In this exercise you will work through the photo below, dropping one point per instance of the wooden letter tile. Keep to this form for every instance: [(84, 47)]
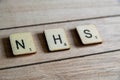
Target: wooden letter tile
[(56, 39), (22, 43), (88, 34)]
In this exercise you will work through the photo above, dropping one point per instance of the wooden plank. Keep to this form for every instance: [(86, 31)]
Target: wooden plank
[(97, 67), (108, 28), (14, 13)]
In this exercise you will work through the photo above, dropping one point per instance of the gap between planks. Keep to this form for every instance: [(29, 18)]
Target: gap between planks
[(67, 21), (18, 66)]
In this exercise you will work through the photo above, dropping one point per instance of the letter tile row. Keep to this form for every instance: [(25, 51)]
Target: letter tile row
[(23, 43)]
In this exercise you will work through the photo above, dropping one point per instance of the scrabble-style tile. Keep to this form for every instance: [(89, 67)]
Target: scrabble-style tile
[(89, 34), (56, 39), (22, 43)]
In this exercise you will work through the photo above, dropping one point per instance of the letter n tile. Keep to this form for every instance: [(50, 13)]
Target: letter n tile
[(22, 43)]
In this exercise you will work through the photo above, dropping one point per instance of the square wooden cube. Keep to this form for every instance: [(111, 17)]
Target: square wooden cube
[(89, 34), (56, 39), (22, 43)]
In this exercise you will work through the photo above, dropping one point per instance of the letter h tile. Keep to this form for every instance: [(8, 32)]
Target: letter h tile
[(56, 39)]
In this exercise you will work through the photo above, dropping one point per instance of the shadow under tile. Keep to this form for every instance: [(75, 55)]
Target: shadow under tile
[(77, 41), (43, 42), (7, 48)]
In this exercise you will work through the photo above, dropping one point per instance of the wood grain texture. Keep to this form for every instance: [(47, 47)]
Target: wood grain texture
[(14, 13), (92, 62), (97, 67), (108, 28)]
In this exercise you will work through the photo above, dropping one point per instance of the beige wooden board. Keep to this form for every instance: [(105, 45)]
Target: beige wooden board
[(97, 67), (14, 13), (108, 28)]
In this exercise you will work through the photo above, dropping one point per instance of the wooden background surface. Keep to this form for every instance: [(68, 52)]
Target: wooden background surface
[(93, 62)]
